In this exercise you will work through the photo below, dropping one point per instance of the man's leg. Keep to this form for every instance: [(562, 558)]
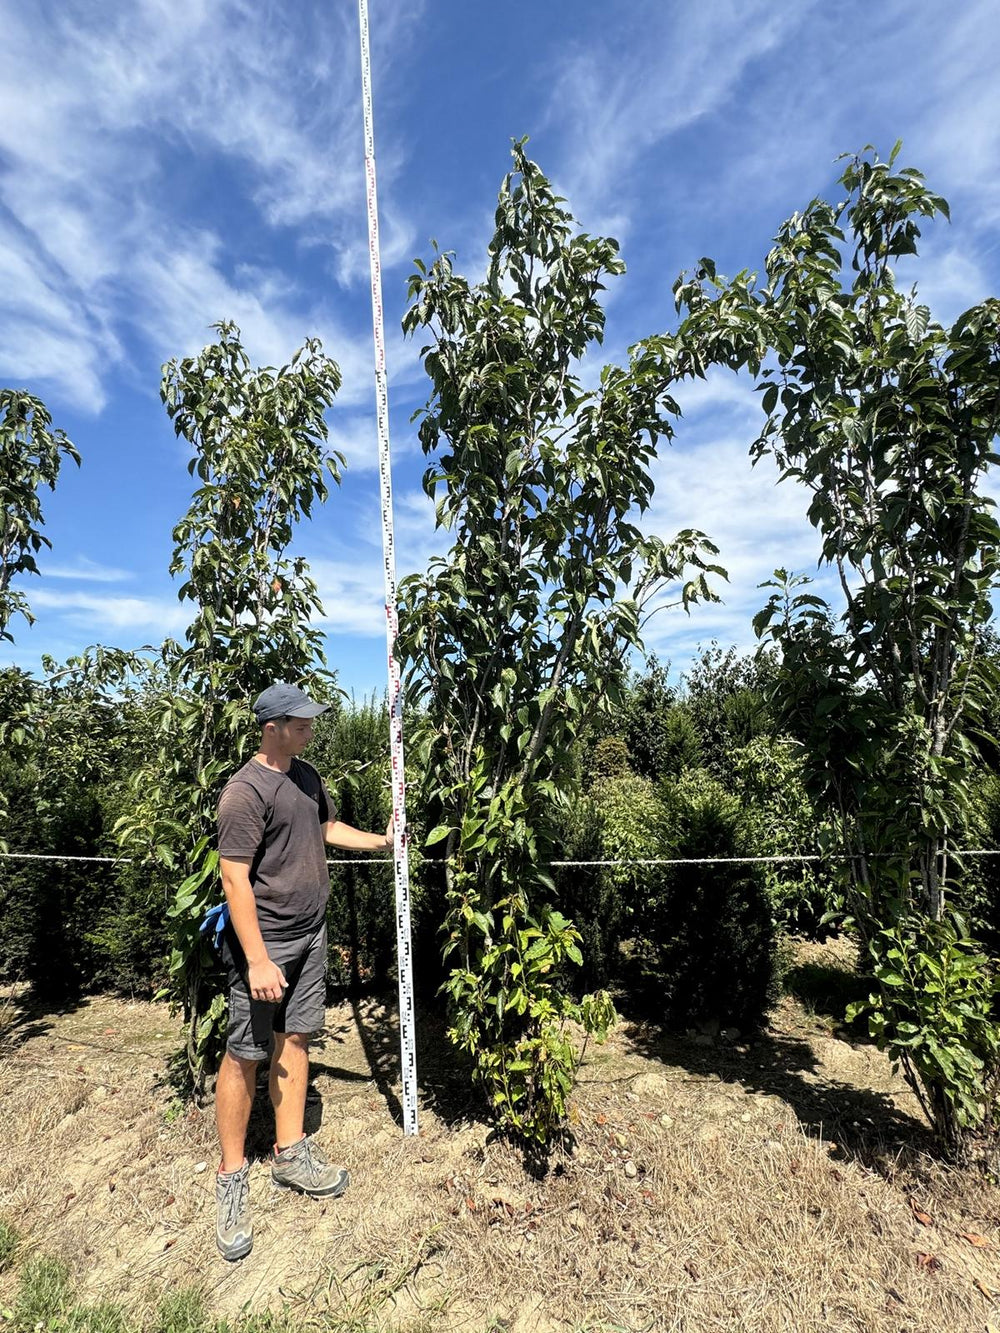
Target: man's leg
[(234, 1090), (289, 1082), (298, 1163)]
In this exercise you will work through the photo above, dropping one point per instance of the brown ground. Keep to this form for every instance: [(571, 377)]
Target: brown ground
[(778, 1185)]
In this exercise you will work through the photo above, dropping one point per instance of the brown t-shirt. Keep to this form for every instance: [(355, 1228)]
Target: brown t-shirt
[(277, 819)]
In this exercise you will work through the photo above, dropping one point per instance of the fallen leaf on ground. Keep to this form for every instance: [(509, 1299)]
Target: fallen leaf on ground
[(923, 1218), (928, 1261), (979, 1241), (691, 1268), (988, 1292)]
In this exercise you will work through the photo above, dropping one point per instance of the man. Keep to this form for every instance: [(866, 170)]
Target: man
[(275, 815)]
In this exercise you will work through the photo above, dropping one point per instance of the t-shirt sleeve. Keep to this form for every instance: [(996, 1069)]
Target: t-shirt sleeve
[(240, 820), (327, 803)]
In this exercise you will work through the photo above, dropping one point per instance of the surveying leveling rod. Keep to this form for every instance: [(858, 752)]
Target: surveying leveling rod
[(403, 946)]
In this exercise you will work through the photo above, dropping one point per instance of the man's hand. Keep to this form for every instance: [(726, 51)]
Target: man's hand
[(339, 834), (266, 981)]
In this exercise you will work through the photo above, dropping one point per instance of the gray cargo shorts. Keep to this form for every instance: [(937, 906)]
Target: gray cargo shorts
[(301, 1008)]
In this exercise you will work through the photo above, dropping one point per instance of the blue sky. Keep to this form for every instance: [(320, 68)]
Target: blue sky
[(168, 163)]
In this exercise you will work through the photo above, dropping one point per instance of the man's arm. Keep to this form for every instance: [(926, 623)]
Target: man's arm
[(350, 839), (265, 979)]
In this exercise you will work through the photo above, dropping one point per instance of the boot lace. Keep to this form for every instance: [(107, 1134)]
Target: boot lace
[(312, 1159), (236, 1191)]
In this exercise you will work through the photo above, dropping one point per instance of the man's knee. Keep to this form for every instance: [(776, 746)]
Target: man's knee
[(300, 1040), (244, 1064)]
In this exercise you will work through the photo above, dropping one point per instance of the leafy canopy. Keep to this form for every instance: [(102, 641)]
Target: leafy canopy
[(31, 454)]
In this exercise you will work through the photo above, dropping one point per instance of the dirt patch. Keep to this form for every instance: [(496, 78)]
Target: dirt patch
[(713, 1185)]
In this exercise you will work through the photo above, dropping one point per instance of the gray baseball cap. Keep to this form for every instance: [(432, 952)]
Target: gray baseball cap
[(282, 700)]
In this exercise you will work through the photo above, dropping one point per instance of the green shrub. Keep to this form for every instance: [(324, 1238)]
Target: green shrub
[(46, 905), (780, 820), (654, 731), (980, 899), (351, 751), (620, 819), (727, 695), (678, 747), (77, 925), (609, 759), (934, 1014), (709, 928), (128, 939)]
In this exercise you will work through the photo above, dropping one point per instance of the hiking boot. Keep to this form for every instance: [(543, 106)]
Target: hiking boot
[(233, 1228), (303, 1167)]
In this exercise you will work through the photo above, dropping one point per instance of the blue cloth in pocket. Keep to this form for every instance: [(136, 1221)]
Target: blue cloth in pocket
[(216, 920)]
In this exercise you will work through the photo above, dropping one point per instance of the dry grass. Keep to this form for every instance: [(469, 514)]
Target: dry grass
[(711, 1187), (9, 1013)]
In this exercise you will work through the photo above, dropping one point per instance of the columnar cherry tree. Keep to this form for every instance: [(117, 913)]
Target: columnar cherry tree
[(524, 630), (261, 463), (889, 420)]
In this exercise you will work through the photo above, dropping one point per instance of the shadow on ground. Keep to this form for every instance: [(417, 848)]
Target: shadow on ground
[(22, 1017), (444, 1074), (865, 1123), (828, 989)]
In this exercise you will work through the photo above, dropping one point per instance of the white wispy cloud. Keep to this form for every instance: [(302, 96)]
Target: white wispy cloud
[(160, 615), (960, 101), (352, 594), (614, 100), (352, 590), (757, 524), (949, 279), (94, 158), (355, 435), (46, 330), (182, 290), (86, 570)]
